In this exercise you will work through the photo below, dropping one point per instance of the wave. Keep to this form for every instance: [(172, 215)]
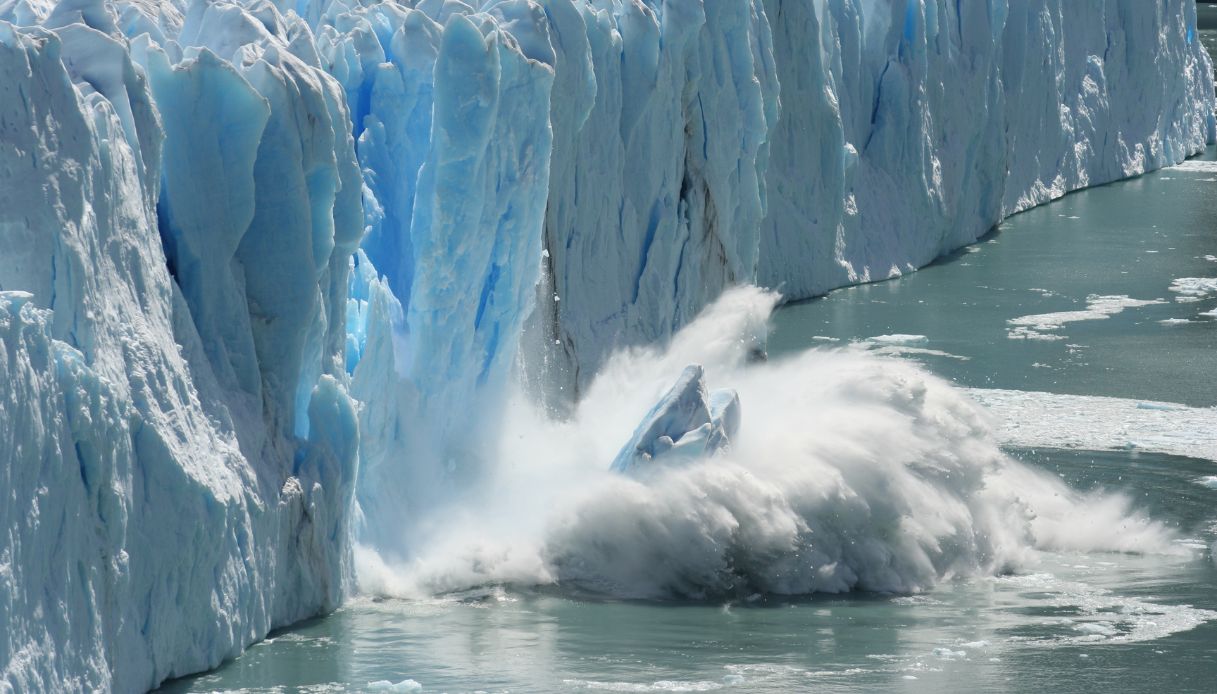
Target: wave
[(851, 471)]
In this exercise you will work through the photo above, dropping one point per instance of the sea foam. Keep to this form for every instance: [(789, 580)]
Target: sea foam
[(851, 471)]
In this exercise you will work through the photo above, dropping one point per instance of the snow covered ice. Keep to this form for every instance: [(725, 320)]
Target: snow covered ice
[(270, 272)]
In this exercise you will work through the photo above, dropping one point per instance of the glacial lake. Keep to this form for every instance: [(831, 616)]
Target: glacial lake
[(1101, 264)]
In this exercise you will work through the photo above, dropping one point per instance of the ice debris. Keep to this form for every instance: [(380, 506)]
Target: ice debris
[(686, 424)]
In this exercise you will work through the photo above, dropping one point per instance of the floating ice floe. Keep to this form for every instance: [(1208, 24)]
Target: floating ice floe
[(1098, 615), (1043, 326), (1033, 419), (1192, 289), (899, 339), (394, 687)]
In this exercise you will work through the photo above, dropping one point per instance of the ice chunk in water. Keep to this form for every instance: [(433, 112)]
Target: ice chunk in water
[(686, 423)]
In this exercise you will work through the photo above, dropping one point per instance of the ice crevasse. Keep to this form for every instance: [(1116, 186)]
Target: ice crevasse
[(268, 269)]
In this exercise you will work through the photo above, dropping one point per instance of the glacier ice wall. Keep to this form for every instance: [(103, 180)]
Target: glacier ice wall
[(450, 110), (660, 155), (267, 267), (178, 447), (906, 129), (910, 129)]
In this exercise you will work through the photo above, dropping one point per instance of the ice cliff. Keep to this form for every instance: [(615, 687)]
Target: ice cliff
[(268, 269), (179, 448), (906, 129)]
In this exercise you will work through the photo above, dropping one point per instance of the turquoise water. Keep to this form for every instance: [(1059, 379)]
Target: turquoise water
[(1127, 239), (1019, 633), (1084, 622)]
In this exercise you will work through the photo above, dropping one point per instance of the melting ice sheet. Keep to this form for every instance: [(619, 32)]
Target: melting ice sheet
[(849, 472)]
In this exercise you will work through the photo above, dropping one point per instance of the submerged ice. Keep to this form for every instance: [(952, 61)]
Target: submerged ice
[(273, 274)]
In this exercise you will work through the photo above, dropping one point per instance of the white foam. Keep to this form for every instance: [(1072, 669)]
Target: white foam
[(1042, 326), (1196, 166), (1100, 615), (850, 471), (912, 352), (898, 345), (1036, 420)]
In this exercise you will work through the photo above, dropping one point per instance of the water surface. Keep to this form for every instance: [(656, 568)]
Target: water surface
[(1130, 239), (1078, 623)]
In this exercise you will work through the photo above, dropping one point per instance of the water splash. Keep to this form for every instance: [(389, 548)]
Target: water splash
[(851, 471)]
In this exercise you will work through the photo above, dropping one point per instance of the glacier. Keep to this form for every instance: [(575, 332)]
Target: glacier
[(270, 271)]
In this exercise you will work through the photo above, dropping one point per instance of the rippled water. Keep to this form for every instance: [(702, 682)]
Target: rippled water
[(1078, 623), (1101, 264), (1128, 241)]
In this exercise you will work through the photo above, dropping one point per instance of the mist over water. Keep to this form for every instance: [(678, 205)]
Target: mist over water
[(851, 471)]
